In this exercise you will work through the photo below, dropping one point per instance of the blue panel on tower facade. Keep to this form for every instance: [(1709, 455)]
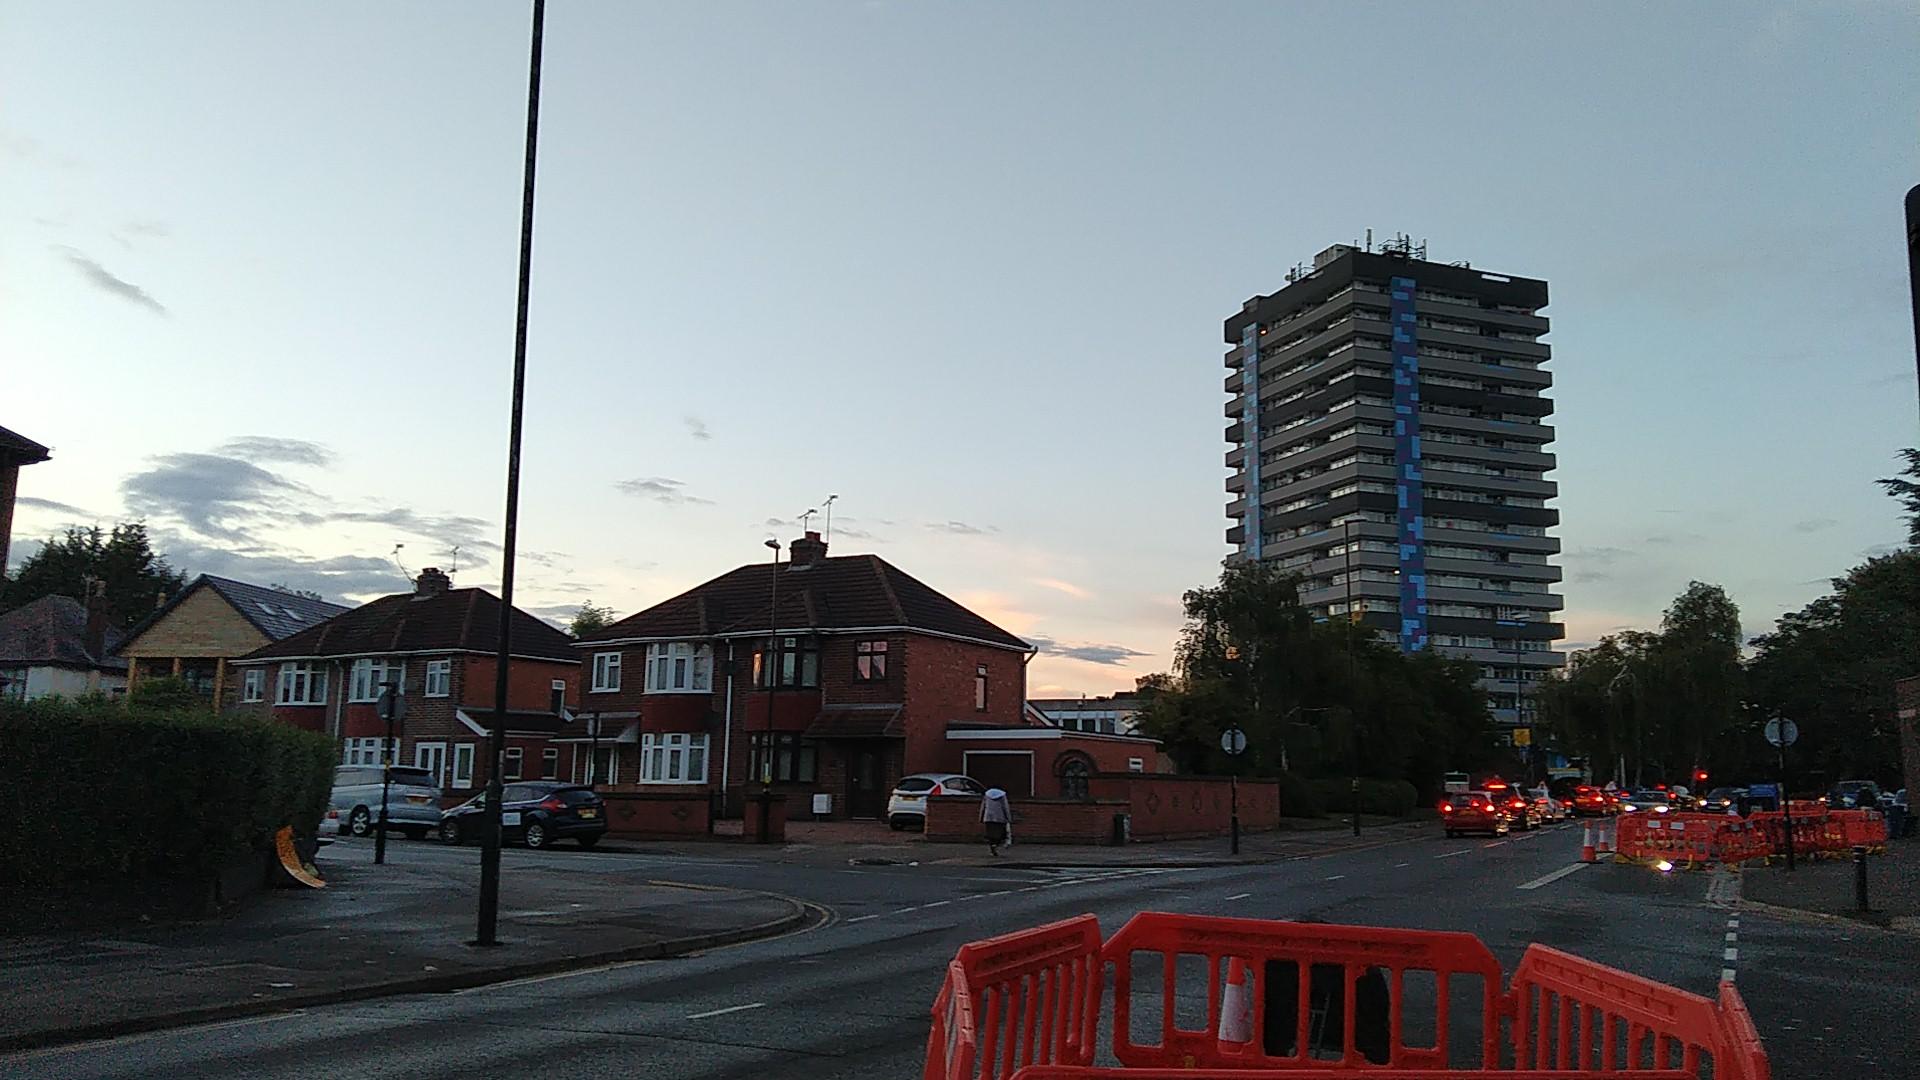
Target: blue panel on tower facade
[(1406, 464), (1250, 423)]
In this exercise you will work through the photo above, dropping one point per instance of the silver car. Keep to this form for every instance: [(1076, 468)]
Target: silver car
[(413, 801)]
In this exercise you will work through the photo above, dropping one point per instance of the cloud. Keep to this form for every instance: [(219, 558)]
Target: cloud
[(777, 523), (32, 503), (271, 448), (469, 534), (660, 490), (961, 528), (101, 277), (1111, 655), (1813, 525), (155, 229), (845, 529), (1675, 538), (215, 496), (696, 427), (1067, 587), (1602, 556), (333, 577)]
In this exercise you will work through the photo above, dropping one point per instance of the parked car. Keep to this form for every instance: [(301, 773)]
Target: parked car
[(1551, 809), (535, 814), (1854, 795), (413, 801), (907, 806), (1474, 811)]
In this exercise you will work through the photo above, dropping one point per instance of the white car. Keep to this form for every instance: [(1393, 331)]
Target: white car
[(908, 804)]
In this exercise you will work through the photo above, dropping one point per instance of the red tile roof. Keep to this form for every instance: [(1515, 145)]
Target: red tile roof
[(840, 593)]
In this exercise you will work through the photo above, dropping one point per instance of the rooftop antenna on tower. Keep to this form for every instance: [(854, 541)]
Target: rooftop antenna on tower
[(806, 519), (829, 505), (453, 561), (395, 556)]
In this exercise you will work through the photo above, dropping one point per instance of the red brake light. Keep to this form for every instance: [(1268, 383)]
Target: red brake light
[(553, 804), (1446, 808)]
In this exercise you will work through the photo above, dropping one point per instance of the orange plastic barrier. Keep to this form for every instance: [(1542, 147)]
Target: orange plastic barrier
[(1204, 998)]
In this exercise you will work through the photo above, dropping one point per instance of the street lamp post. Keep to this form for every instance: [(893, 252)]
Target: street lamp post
[(497, 744), (1353, 681), (770, 671)]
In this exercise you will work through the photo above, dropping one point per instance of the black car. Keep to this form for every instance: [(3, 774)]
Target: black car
[(535, 814)]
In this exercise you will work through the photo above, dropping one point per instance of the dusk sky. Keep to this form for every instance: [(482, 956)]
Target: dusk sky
[(964, 264)]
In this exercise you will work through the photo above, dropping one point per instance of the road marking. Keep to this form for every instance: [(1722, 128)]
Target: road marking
[(1451, 854), (904, 910), (1336, 877), (1548, 879), (729, 1009), (1399, 866), (1496, 843), (937, 903), (1240, 896), (1732, 937), (1002, 892), (1730, 955), (864, 918), (1726, 974)]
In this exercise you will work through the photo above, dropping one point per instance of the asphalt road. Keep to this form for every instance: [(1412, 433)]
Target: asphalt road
[(850, 998)]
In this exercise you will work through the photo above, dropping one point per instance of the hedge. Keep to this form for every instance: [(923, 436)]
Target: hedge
[(1389, 798), (95, 796), (1298, 799)]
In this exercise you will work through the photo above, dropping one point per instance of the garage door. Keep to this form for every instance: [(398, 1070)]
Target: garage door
[(1010, 770)]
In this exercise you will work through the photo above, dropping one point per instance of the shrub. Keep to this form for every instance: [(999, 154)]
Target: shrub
[(1388, 798), (96, 796), (1298, 798)]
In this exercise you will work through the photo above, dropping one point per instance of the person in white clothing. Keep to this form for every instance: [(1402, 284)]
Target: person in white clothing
[(996, 813)]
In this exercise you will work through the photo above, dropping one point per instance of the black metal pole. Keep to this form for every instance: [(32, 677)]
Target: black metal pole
[(497, 744), (1353, 682), (593, 754), (386, 780), (1786, 804), (1860, 879), (1913, 263), (1233, 786)]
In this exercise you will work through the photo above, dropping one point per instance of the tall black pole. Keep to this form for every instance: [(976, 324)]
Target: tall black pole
[(1353, 682), (771, 671), (1913, 264), (497, 745), (386, 782)]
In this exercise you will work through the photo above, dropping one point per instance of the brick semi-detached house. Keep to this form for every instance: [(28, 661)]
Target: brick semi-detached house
[(439, 643), (848, 670)]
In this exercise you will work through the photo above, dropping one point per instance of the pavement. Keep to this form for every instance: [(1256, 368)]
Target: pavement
[(847, 998), (374, 931), (1826, 887)]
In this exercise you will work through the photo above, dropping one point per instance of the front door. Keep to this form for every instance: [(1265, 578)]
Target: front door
[(433, 758), (864, 797)]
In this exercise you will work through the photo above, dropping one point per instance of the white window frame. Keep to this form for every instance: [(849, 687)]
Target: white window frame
[(667, 758), (440, 673), (423, 750), (518, 770), (253, 685), (368, 674), (606, 673), (550, 763), (310, 679), (462, 777), (366, 751), (679, 667)]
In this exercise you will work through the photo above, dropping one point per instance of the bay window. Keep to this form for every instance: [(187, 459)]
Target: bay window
[(679, 667), (673, 758), (302, 684)]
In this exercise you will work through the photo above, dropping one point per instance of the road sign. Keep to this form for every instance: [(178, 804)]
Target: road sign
[(1782, 732), (1522, 736), (390, 705), (1233, 741)]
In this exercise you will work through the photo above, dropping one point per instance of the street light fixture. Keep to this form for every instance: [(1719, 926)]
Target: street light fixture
[(497, 745)]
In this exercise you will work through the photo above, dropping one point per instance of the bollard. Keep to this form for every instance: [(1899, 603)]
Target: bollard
[(1860, 878)]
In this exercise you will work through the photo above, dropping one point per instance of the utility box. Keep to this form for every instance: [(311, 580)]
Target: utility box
[(822, 807)]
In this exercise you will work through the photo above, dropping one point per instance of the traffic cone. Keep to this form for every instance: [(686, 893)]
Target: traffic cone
[(1236, 1007), (1586, 846)]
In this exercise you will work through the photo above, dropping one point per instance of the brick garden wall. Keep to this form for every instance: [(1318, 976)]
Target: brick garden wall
[(955, 819), (642, 812)]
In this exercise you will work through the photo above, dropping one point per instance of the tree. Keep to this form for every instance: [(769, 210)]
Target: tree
[(1906, 489), (137, 579), (1698, 673), (590, 618)]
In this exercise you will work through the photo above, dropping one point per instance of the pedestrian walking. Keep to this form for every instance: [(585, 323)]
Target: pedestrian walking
[(997, 815)]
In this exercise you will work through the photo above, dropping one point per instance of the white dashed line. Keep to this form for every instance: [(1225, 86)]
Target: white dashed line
[(1730, 955), (863, 918), (1732, 952), (1451, 854), (1400, 866), (1240, 896), (1336, 877), (937, 903), (1548, 879), (728, 1009), (1496, 843)]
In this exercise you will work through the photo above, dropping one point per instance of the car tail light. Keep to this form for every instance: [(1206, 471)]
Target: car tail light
[(333, 814), (1446, 808), (553, 804)]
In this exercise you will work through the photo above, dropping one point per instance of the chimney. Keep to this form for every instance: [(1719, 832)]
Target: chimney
[(807, 550), (96, 633), (431, 582)]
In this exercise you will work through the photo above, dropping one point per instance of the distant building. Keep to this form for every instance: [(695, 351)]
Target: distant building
[(1112, 715), (439, 645), (198, 634), (15, 450), (1386, 422), (834, 676), (57, 646)]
